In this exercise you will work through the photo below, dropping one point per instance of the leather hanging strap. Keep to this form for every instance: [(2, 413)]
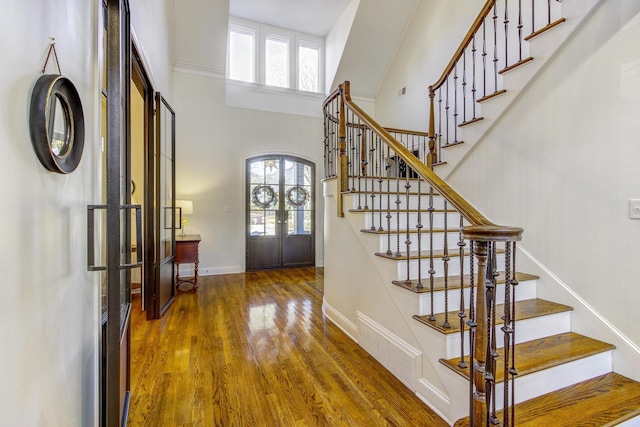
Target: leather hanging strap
[(52, 47)]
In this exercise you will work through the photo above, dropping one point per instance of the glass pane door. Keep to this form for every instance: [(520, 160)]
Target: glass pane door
[(280, 212)]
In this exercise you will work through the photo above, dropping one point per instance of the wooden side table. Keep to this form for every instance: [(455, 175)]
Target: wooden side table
[(187, 253)]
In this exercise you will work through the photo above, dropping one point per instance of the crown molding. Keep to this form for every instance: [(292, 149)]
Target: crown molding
[(184, 67)]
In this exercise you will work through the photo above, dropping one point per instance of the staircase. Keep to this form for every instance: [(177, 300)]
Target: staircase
[(429, 286), (504, 55), (564, 378)]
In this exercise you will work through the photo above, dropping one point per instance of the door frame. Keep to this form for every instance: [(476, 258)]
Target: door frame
[(246, 204), (143, 83), (116, 338)]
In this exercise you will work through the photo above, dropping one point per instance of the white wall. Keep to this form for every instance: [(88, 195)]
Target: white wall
[(49, 312), (561, 163), (434, 33), (153, 30), (213, 141), (567, 152), (50, 306)]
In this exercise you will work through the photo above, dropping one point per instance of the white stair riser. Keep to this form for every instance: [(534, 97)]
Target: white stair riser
[(525, 290), (438, 266), (387, 185), (425, 242), (373, 219), (389, 200), (526, 330), (538, 383)]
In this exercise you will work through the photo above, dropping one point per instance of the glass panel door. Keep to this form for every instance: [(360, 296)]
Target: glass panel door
[(165, 205), (280, 212)]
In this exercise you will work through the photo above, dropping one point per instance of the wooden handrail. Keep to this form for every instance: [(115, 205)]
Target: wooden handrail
[(465, 42), (407, 132), (469, 212)]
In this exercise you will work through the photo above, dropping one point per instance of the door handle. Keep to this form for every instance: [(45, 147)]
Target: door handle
[(91, 262), (91, 253), (138, 209)]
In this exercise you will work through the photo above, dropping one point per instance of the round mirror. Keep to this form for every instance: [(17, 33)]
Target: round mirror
[(56, 123), (59, 126)]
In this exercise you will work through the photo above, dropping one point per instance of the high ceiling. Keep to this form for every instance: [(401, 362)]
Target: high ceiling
[(314, 17), (360, 51)]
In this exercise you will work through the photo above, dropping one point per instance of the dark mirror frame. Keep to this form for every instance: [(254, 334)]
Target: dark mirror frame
[(48, 89)]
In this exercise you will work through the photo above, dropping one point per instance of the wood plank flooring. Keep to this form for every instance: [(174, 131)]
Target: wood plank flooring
[(254, 349)]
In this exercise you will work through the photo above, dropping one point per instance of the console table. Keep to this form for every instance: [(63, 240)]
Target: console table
[(187, 253)]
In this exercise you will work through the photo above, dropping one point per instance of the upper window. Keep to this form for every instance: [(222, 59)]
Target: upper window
[(242, 54), (274, 57)]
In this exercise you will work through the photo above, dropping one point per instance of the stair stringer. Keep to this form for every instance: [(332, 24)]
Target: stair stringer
[(543, 49), (438, 397), (585, 319), (358, 285)]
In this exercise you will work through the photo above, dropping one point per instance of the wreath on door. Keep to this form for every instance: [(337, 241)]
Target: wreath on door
[(297, 195), (263, 196)]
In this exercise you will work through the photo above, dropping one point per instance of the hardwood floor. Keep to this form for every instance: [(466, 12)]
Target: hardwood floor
[(254, 349)]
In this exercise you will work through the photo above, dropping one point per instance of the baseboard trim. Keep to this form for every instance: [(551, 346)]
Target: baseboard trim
[(339, 320), (430, 395), (402, 359), (214, 271)]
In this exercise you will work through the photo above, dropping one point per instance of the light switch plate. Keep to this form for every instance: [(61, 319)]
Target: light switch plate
[(634, 208)]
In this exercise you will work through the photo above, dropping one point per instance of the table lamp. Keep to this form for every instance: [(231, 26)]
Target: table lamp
[(186, 207)]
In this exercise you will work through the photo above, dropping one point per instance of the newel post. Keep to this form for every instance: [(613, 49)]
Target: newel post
[(479, 410), (343, 172), (432, 157), (484, 239)]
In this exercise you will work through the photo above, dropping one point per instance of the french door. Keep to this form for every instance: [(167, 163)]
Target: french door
[(162, 221), (280, 212)]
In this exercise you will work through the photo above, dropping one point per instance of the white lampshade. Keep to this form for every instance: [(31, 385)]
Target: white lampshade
[(186, 205)]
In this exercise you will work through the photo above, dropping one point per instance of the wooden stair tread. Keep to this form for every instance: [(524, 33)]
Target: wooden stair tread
[(543, 353), (424, 254), (453, 282), (527, 309), (605, 400)]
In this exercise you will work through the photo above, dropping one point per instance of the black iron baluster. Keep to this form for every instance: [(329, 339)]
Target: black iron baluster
[(407, 242), (464, 86), (495, 47), (484, 58), (380, 180), (389, 216), (446, 112), (548, 12), (507, 332), (440, 124), (512, 369), (445, 262), (358, 159), (365, 164), (455, 103), (472, 328), (520, 26), (397, 160), (462, 313), (506, 33), (533, 16), (492, 326), (432, 271), (473, 80), (373, 171), (352, 160), (419, 235)]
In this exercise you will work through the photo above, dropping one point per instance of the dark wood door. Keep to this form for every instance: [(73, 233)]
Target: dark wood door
[(280, 212), (164, 221)]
